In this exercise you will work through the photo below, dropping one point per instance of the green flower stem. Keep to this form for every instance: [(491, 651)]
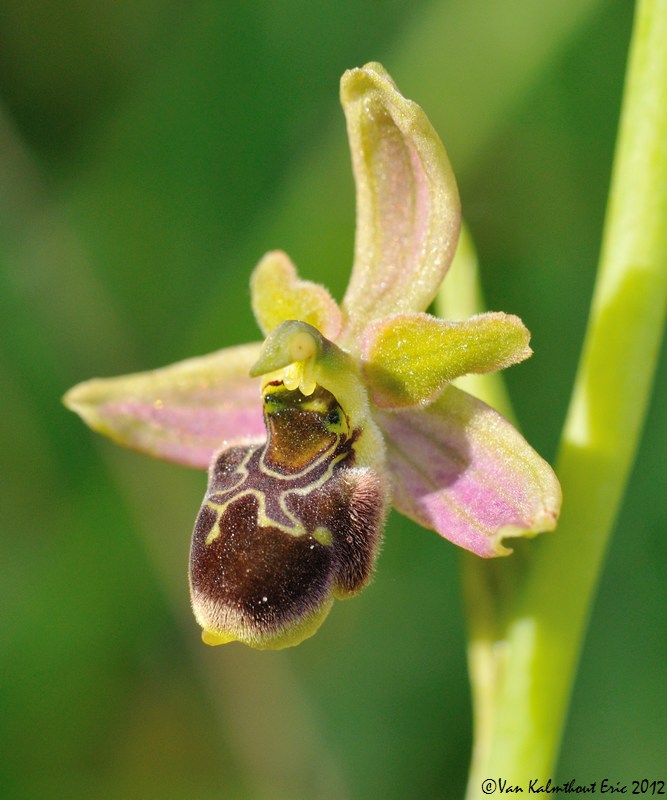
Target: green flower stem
[(528, 620)]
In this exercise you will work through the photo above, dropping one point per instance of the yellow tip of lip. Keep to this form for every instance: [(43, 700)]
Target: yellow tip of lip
[(212, 638)]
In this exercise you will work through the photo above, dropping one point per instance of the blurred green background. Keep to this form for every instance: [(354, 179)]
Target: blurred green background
[(150, 152)]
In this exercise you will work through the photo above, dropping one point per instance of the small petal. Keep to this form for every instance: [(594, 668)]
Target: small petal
[(408, 211), (461, 469), (181, 413), (278, 294), (409, 358)]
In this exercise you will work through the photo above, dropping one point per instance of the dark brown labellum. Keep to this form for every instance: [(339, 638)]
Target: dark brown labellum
[(285, 526)]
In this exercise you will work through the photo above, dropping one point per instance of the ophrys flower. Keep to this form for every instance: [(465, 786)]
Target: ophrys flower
[(309, 436)]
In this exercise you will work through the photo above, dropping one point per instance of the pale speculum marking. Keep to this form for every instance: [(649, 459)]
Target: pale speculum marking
[(272, 489)]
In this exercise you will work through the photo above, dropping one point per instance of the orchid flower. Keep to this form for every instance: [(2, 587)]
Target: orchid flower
[(343, 410)]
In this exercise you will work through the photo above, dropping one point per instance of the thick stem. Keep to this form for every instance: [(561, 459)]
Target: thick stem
[(525, 648)]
